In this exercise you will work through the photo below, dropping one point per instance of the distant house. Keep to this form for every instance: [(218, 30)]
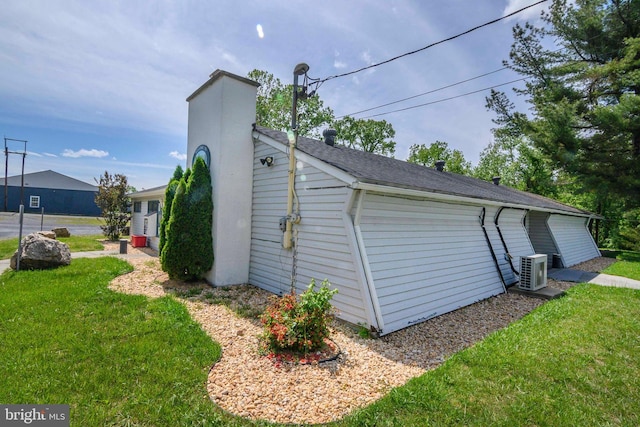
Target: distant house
[(51, 191), (401, 242), (146, 212)]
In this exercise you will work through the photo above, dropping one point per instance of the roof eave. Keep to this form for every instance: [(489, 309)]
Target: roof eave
[(360, 185)]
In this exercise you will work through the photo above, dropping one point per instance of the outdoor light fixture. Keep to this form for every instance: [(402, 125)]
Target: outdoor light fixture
[(267, 161)]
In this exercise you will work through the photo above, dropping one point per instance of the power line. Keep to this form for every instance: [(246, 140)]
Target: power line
[(444, 99), (320, 81), (425, 93)]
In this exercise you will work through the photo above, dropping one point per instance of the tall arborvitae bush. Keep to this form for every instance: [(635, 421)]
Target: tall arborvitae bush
[(188, 250), (173, 257), (169, 194), (199, 194)]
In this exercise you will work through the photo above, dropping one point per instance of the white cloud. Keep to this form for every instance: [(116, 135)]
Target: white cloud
[(179, 156), (339, 64), (31, 153), (49, 155), (84, 153)]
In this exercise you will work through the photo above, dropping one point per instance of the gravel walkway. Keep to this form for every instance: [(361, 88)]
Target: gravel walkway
[(246, 384)]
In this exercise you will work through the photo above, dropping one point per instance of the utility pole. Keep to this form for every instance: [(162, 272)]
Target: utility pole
[(23, 153)]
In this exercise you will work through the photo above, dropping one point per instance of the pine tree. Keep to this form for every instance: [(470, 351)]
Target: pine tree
[(174, 254), (169, 194), (188, 251), (201, 217)]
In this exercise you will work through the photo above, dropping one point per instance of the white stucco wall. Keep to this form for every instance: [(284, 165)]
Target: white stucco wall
[(221, 113)]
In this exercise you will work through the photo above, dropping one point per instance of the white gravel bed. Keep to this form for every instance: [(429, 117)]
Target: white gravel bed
[(250, 385)]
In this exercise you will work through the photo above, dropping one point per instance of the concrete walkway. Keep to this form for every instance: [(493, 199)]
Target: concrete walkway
[(569, 275)]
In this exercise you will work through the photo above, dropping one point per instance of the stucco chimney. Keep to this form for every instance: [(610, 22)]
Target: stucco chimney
[(221, 113)]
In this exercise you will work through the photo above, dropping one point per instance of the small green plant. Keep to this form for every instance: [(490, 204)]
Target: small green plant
[(298, 325), (364, 332)]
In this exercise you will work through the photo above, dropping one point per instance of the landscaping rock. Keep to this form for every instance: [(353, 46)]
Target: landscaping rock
[(61, 232), (48, 234), (40, 252)]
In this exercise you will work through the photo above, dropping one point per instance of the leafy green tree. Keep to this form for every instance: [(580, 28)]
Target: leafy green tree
[(114, 204), (439, 150), (169, 194), (274, 103), (585, 96), (273, 110), (511, 155), (188, 251), (372, 136)]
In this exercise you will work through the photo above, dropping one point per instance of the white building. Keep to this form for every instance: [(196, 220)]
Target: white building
[(401, 242)]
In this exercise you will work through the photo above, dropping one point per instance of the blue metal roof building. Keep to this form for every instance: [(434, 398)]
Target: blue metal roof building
[(55, 192)]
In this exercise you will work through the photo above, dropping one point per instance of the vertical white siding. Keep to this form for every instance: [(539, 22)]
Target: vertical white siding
[(540, 235), (323, 250), (498, 248), (427, 258), (511, 223), (137, 218), (270, 264), (572, 239)]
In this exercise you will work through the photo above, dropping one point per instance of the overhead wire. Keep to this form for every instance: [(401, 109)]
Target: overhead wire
[(445, 99), (425, 93), (477, 27)]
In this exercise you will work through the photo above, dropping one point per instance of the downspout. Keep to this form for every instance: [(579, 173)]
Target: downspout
[(365, 264), (372, 307), (287, 241), (493, 254), (504, 244)]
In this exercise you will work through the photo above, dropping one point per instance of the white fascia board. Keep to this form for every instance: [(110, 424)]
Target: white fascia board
[(150, 194), (458, 199), (300, 155)]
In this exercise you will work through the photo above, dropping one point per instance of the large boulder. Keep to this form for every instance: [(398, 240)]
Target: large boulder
[(49, 234), (39, 252), (61, 232)]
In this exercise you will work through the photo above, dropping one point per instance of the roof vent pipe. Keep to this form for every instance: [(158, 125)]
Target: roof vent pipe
[(440, 165), (496, 180), (329, 136)]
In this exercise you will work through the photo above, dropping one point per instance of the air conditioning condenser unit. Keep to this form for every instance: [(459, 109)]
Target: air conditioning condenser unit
[(533, 272)]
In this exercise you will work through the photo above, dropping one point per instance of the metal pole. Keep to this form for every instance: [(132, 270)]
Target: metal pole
[(19, 239), (42, 219), (24, 154), (6, 170)]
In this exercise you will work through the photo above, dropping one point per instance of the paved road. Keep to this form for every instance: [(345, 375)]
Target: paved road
[(10, 224)]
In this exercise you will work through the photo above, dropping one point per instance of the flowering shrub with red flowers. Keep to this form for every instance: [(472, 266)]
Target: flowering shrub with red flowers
[(298, 325)]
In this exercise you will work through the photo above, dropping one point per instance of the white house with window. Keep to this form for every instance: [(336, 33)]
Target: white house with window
[(146, 214)]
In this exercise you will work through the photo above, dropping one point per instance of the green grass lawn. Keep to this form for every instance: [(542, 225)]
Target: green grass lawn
[(626, 265), (574, 361), (116, 359), (76, 244), (128, 360)]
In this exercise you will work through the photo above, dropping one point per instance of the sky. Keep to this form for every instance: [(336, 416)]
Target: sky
[(100, 85)]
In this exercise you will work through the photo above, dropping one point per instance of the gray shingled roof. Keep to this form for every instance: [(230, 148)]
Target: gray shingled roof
[(376, 169), (49, 179)]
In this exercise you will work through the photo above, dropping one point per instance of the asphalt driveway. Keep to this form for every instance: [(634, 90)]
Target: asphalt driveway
[(77, 225)]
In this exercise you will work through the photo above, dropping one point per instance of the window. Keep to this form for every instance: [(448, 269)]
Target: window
[(154, 206), (34, 202), (137, 206), (202, 151)]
